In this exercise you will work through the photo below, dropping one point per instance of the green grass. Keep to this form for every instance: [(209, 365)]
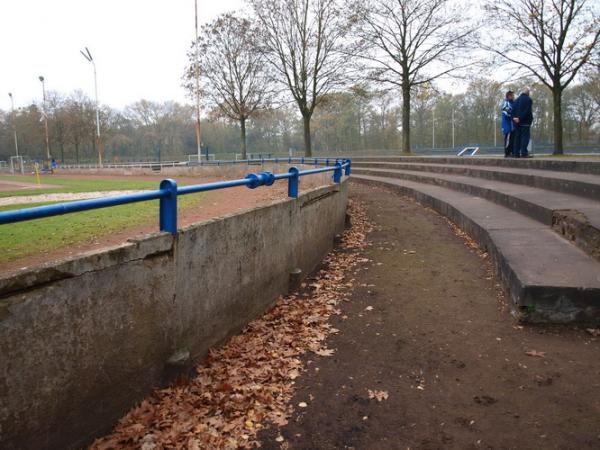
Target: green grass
[(74, 185), (23, 239)]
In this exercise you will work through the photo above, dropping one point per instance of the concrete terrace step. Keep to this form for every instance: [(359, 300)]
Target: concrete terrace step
[(583, 185), (571, 164), (547, 278), (575, 218)]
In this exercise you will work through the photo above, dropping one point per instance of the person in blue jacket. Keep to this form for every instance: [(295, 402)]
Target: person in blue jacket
[(508, 125), (522, 117)]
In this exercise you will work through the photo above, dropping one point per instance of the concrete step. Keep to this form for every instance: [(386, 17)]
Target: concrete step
[(583, 185), (575, 218), (570, 164), (547, 278)]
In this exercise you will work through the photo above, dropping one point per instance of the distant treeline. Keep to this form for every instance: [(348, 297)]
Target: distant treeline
[(345, 122)]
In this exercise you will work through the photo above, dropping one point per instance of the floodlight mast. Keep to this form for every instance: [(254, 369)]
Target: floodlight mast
[(14, 123), (87, 55), (41, 78), (197, 77)]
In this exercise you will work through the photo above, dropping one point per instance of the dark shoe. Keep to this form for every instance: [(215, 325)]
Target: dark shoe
[(527, 156)]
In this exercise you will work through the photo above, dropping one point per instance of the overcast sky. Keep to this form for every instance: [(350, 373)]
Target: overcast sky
[(139, 47)]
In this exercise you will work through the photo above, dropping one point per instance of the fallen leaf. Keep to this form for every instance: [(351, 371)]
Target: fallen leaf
[(535, 353), (325, 352), (378, 395)]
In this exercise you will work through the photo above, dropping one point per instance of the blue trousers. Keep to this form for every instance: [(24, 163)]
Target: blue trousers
[(522, 136)]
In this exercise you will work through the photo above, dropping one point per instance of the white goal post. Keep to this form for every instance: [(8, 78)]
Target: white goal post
[(16, 164)]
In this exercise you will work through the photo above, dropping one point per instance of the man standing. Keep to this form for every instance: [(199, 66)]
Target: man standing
[(522, 117), (507, 123)]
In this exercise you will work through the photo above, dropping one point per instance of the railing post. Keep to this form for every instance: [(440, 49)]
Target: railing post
[(347, 172), (168, 207), (293, 182), (337, 173)]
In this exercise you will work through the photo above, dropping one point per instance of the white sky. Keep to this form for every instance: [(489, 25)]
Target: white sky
[(139, 46)]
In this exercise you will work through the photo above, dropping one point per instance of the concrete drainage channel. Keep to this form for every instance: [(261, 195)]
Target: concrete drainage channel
[(83, 340)]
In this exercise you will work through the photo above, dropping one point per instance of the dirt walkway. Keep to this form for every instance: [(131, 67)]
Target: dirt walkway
[(428, 328)]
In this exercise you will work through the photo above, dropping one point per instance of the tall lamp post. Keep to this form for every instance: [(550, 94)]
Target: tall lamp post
[(14, 123), (87, 55), (41, 78), (197, 77)]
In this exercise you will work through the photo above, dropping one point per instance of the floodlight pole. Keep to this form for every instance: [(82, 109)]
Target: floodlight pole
[(41, 78), (88, 56), (197, 77), (14, 123)]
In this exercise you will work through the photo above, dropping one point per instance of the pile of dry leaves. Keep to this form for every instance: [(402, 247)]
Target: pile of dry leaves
[(247, 384)]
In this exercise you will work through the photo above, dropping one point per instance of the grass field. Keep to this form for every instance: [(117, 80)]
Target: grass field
[(20, 240), (74, 185)]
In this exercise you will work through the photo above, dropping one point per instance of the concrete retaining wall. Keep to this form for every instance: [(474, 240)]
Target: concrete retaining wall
[(84, 340)]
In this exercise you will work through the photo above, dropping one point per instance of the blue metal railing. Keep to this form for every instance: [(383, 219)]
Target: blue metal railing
[(168, 193)]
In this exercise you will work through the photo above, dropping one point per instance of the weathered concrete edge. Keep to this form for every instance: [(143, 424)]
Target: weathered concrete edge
[(133, 249), (571, 225), (559, 165), (532, 304), (540, 180)]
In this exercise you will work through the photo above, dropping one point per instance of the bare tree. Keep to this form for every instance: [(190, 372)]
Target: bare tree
[(235, 75), (582, 108), (550, 39), (302, 40), (410, 43)]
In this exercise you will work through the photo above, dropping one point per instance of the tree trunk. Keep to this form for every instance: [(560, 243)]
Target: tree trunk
[(77, 152), (558, 126), (307, 141), (243, 137), (405, 117)]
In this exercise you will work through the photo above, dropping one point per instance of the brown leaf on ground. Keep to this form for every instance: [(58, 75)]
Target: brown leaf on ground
[(325, 352), (247, 384)]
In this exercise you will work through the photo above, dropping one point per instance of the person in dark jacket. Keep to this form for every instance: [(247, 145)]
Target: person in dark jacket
[(522, 117), (508, 125)]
